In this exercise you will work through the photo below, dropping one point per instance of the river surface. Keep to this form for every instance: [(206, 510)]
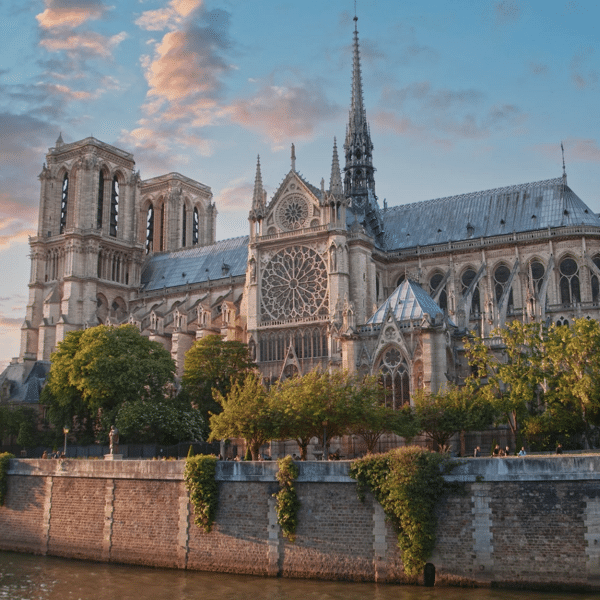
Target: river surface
[(27, 577)]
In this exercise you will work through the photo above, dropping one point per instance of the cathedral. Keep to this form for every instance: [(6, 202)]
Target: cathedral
[(326, 277)]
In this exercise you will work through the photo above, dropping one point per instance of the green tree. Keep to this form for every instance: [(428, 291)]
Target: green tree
[(510, 377), (316, 403), (214, 364), (246, 414), (95, 371), (451, 410)]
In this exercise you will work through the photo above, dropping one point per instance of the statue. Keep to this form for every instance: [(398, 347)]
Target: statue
[(113, 436)]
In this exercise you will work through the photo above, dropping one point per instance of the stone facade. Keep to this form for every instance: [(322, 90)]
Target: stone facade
[(530, 522), (326, 277)]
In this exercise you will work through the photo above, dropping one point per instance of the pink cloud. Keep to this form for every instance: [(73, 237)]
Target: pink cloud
[(170, 17), (236, 196), (61, 14), (576, 150), (285, 112), (87, 45)]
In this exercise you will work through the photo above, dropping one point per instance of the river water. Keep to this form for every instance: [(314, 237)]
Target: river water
[(27, 577)]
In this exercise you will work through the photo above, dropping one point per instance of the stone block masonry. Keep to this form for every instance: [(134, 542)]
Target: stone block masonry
[(532, 522)]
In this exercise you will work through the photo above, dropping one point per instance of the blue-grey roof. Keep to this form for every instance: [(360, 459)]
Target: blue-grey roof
[(518, 208), (408, 302), (194, 265)]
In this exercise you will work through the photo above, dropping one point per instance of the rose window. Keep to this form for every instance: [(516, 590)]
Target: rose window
[(294, 284), (293, 212)]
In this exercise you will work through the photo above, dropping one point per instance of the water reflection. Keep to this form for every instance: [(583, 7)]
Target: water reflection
[(26, 577)]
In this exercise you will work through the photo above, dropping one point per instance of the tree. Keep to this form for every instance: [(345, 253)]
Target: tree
[(246, 414), (214, 364), (95, 371), (449, 411), (317, 402), (571, 366), (510, 377)]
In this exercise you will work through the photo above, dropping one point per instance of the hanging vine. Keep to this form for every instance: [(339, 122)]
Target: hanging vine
[(4, 458), (407, 482), (287, 500), (200, 481)]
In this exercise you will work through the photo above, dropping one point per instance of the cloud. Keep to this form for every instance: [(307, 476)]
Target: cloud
[(84, 45), (582, 76), (539, 69), (284, 112), (421, 111), (69, 14), (507, 11), (170, 17), (236, 196), (576, 150)]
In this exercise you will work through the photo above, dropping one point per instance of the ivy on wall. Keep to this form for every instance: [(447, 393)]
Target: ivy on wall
[(200, 481), (4, 458), (287, 500), (407, 482)]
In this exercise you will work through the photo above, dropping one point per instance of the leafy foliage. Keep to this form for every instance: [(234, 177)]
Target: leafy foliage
[(95, 371), (214, 364), (287, 500), (407, 482), (4, 458), (20, 421), (246, 414), (201, 483)]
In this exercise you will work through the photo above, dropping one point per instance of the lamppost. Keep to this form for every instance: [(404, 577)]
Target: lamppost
[(65, 431), (325, 457)]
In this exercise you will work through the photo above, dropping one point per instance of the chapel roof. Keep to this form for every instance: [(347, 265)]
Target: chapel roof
[(195, 265), (513, 209), (408, 302)]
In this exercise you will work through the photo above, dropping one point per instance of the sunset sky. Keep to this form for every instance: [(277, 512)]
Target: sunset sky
[(461, 95)]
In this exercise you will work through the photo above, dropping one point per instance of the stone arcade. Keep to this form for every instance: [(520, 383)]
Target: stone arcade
[(326, 277)]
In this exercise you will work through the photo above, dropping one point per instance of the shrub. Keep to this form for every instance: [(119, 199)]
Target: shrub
[(201, 483)]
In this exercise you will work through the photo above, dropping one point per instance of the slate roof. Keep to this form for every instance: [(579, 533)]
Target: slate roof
[(194, 265), (408, 302), (518, 208)]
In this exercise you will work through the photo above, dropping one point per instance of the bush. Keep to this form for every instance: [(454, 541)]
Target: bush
[(201, 483)]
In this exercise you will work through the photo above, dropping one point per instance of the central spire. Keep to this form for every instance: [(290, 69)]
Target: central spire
[(359, 172)]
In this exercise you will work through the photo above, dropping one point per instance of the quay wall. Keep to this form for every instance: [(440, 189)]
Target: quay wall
[(528, 522)]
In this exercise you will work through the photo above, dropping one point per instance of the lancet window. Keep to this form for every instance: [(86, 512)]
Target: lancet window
[(394, 378), (100, 200), (467, 279), (536, 275), (64, 201), (569, 281), (114, 207), (595, 282), (195, 227), (308, 343), (183, 226), (434, 283), (501, 278), (149, 229)]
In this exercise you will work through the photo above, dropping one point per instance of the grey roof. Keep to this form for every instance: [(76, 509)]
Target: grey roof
[(194, 265), (518, 208), (408, 302)]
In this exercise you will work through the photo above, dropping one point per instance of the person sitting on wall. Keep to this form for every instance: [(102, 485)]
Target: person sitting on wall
[(507, 451), (522, 451), (559, 449), (497, 451), (477, 452)]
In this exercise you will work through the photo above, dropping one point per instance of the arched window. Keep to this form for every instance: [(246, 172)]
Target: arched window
[(501, 277), (595, 282), (434, 283), (467, 279), (183, 227), (569, 281), (195, 227), (536, 275), (100, 200), (394, 379), (64, 202), (149, 229), (400, 280), (114, 207)]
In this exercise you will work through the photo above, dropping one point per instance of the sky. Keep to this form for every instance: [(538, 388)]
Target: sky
[(461, 96)]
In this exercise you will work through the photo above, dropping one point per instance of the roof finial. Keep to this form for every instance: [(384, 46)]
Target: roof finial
[(564, 168), (293, 158)]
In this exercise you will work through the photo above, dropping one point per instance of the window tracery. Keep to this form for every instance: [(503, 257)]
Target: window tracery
[(64, 203), (294, 285), (308, 343), (292, 212), (195, 227), (114, 207), (434, 283), (569, 281), (149, 229), (501, 278), (394, 378), (467, 279)]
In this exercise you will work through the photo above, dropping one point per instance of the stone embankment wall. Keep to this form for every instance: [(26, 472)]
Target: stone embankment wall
[(531, 522)]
